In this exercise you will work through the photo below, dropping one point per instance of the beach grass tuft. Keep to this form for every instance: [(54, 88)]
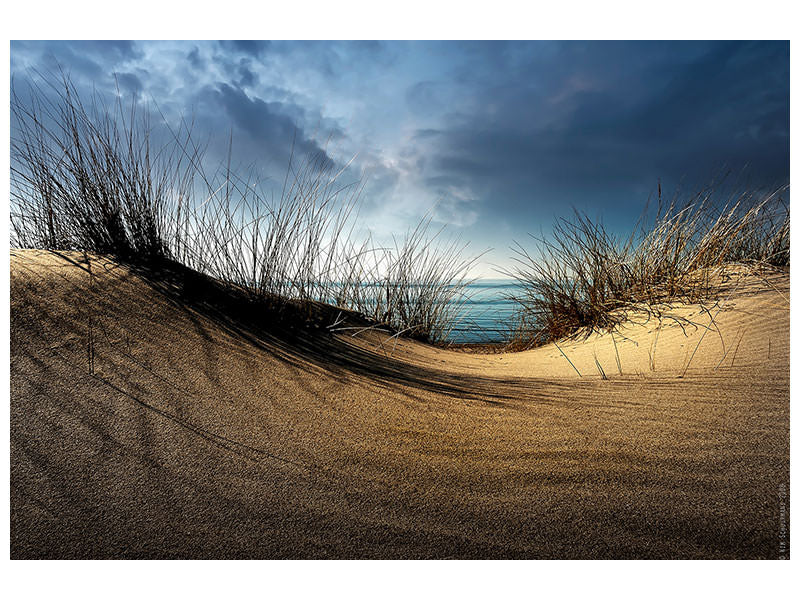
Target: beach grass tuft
[(585, 278), (90, 176)]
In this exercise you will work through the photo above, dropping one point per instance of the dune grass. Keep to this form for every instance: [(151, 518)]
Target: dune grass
[(85, 177), (90, 176), (586, 278)]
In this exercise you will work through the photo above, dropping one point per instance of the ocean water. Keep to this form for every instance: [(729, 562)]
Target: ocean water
[(486, 314), (486, 317)]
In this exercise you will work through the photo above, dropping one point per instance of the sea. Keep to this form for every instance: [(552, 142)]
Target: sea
[(486, 317)]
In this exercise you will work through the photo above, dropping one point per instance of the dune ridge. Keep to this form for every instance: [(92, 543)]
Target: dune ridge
[(150, 419)]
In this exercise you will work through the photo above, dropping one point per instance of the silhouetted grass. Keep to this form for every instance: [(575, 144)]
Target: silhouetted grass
[(85, 177), (90, 177)]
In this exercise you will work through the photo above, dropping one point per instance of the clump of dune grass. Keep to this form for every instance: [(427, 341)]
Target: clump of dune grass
[(284, 247), (301, 246), (86, 177), (91, 177), (586, 278)]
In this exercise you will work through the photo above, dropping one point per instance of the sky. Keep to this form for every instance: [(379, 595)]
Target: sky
[(495, 140)]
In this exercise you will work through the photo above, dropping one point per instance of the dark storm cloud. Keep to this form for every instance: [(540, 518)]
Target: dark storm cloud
[(268, 126), (130, 83), (265, 130), (247, 78), (254, 48), (595, 120), (194, 58)]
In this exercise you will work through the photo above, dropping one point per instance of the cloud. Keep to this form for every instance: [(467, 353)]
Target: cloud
[(247, 78), (129, 83), (271, 127), (83, 59), (503, 135), (724, 105), (254, 48), (425, 98), (195, 60)]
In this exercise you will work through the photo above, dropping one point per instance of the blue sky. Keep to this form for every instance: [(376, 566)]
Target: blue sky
[(496, 138)]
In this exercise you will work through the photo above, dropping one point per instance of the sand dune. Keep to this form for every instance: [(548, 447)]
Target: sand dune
[(200, 428)]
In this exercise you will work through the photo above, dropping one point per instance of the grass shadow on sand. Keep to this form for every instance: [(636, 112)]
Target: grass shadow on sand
[(301, 337)]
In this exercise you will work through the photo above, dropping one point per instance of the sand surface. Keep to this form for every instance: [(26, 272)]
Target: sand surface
[(199, 429)]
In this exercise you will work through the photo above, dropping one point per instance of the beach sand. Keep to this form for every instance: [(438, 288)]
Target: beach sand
[(151, 419)]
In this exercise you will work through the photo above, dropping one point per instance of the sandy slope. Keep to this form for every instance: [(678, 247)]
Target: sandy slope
[(206, 431)]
